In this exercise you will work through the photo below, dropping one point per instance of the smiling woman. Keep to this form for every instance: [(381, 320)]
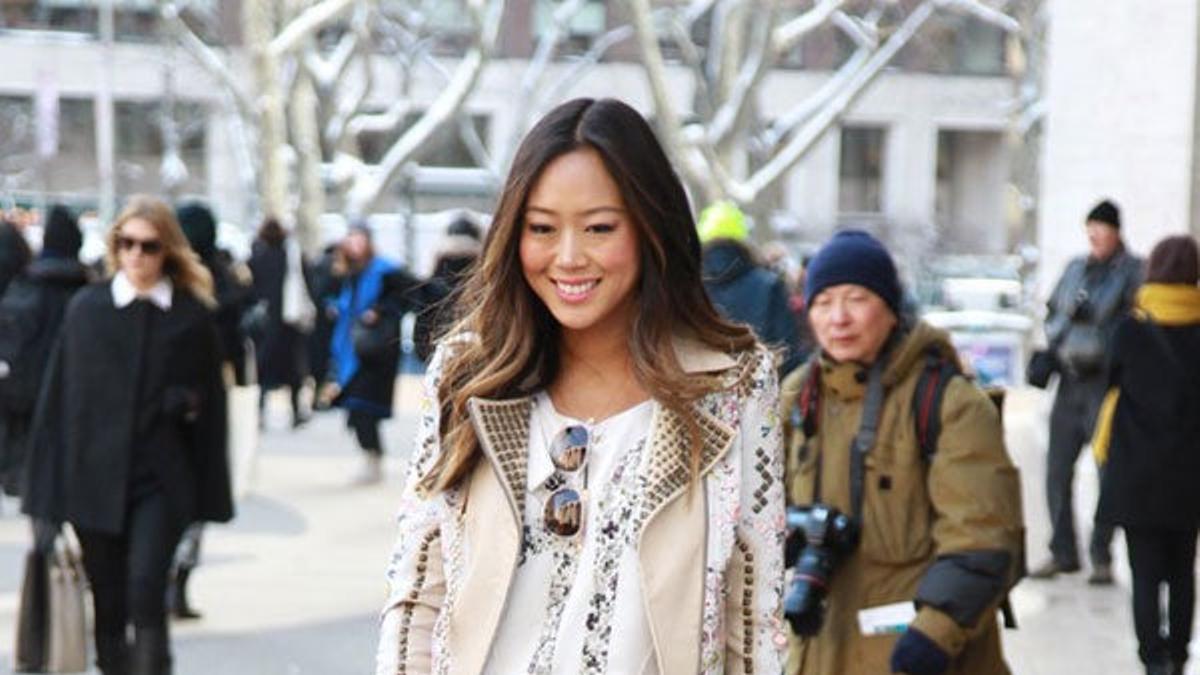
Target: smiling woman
[(588, 388)]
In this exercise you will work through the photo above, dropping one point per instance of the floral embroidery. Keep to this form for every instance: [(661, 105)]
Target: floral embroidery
[(620, 522)]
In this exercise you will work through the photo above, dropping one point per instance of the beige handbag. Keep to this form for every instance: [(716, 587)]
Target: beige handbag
[(67, 648)]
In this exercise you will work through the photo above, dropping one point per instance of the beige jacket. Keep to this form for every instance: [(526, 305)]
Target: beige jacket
[(965, 501), (710, 560)]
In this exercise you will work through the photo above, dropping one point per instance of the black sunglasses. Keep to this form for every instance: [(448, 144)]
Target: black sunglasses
[(148, 246), (563, 514)]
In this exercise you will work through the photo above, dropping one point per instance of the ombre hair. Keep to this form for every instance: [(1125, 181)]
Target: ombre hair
[(513, 347), (180, 262)]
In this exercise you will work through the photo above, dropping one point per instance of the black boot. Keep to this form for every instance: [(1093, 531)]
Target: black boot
[(177, 600), (1161, 668), (151, 653), (112, 654)]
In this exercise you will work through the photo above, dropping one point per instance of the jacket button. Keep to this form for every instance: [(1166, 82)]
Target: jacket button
[(860, 376)]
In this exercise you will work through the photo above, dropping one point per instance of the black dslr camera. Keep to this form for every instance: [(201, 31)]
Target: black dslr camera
[(819, 537)]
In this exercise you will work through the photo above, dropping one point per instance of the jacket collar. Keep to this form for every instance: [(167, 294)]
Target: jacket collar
[(503, 427), (124, 292)]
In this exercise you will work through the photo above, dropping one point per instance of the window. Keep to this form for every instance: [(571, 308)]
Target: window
[(589, 22), (135, 20), (860, 171), (953, 44), (972, 169)]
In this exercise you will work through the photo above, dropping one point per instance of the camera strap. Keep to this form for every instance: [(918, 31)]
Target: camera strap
[(864, 440)]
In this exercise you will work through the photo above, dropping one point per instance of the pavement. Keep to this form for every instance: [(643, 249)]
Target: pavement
[(293, 585)]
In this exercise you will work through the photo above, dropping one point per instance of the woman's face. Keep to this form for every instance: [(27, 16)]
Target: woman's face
[(140, 252), (579, 244), (850, 322)]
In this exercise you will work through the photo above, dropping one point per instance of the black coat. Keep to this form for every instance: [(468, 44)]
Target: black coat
[(1153, 467), (280, 347), (233, 299), (36, 301), (133, 402)]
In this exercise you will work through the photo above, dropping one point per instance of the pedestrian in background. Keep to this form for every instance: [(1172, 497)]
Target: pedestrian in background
[(323, 277), (1148, 433), (931, 540), (14, 253), (129, 437), (31, 313), (1093, 294), (280, 352), (741, 287), (366, 343), (456, 254), (595, 439), (232, 291)]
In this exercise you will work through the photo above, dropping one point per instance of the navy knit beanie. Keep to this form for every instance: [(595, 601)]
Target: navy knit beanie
[(854, 257)]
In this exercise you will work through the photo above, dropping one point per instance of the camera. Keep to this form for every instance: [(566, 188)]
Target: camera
[(819, 537)]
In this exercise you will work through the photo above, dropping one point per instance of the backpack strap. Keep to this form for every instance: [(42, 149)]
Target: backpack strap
[(927, 400), (808, 404)]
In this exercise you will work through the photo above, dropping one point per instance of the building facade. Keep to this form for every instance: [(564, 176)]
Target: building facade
[(922, 156)]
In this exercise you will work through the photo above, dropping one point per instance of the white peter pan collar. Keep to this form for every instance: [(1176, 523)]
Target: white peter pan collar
[(124, 292)]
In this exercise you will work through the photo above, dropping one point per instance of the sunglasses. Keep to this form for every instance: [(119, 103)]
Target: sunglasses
[(147, 246), (563, 514)]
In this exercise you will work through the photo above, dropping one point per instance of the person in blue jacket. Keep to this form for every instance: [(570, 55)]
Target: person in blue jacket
[(365, 347), (743, 289)]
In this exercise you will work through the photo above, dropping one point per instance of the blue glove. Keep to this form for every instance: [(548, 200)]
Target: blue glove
[(916, 654)]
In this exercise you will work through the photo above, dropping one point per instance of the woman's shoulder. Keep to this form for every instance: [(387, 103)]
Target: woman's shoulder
[(755, 369), (91, 298)]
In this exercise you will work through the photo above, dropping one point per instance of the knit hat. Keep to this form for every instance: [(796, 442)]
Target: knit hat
[(854, 257), (1106, 212), (722, 220), (61, 236), (200, 228)]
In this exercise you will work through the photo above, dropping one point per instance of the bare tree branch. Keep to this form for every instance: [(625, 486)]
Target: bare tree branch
[(984, 13), (369, 187), (310, 21), (786, 36), (206, 56), (666, 118), (811, 132)]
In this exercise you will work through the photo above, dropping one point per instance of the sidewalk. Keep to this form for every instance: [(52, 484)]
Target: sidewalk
[(294, 584)]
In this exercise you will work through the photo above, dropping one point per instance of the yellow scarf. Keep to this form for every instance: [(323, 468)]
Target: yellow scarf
[(1166, 305)]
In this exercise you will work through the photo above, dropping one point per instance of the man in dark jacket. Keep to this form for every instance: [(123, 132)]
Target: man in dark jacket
[(31, 313), (741, 288), (1092, 296)]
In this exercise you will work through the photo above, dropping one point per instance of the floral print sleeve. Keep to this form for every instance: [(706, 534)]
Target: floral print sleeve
[(755, 641), (415, 575)]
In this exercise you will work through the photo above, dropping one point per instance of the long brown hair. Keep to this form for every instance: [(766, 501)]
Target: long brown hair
[(180, 262), (513, 348)]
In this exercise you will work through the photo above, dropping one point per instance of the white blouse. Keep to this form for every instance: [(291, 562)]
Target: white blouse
[(575, 605)]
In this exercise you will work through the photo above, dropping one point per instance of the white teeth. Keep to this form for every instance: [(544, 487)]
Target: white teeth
[(576, 289)]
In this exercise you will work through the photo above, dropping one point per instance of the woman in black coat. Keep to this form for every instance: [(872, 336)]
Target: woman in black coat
[(31, 312), (129, 437), (1149, 428), (280, 346)]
